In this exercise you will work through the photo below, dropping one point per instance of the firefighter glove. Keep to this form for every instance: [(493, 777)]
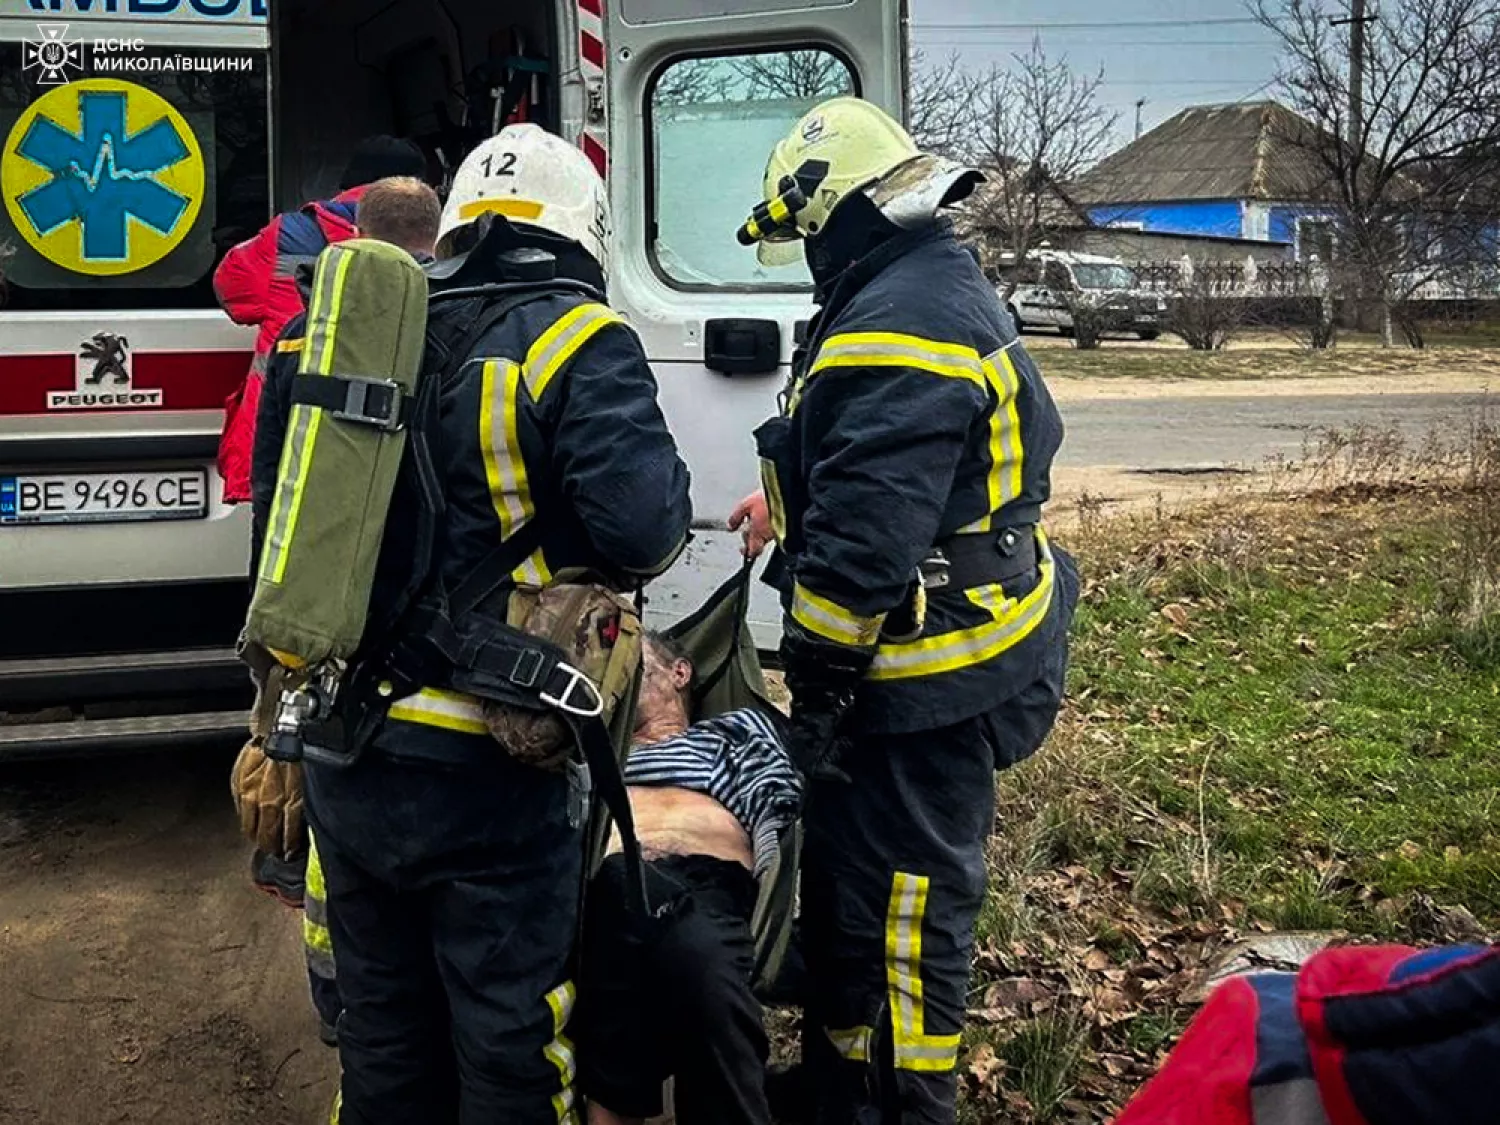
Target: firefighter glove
[(268, 799), (822, 679)]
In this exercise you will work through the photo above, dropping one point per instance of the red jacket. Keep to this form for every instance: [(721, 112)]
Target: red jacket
[(256, 284), (1362, 1035)]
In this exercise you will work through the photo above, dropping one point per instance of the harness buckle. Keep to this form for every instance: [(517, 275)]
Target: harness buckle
[(593, 705), (933, 572), (528, 669), (372, 402)]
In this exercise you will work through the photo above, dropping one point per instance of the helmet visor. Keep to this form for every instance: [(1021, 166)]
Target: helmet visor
[(779, 253)]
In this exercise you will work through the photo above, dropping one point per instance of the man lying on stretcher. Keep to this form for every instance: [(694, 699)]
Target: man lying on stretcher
[(670, 996)]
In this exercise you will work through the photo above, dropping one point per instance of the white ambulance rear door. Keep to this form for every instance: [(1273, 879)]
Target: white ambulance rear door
[(696, 94)]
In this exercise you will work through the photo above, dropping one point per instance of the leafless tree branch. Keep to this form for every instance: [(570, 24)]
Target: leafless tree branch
[(1413, 183), (1038, 125)]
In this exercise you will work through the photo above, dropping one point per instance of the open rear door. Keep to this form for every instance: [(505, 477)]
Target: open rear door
[(697, 93)]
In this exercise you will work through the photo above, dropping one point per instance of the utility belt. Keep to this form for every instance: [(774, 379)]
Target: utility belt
[(962, 562), (988, 558)]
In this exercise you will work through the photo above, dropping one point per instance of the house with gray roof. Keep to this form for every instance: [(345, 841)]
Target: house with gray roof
[(1224, 172)]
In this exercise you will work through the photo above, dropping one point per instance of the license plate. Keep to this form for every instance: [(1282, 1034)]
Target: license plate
[(32, 498)]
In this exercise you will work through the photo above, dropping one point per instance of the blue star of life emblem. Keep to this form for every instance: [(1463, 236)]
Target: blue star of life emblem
[(103, 178)]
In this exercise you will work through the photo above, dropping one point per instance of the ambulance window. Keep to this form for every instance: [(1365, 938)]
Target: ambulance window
[(714, 122), (124, 186)]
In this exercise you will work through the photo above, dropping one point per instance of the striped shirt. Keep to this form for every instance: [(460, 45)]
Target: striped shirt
[(737, 759)]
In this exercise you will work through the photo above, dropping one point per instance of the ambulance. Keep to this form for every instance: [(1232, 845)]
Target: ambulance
[(141, 139)]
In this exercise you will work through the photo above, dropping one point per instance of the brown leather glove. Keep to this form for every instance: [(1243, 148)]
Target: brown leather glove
[(268, 799)]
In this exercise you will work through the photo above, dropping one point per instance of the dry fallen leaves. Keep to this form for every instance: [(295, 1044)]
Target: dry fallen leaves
[(985, 1067), (1177, 614)]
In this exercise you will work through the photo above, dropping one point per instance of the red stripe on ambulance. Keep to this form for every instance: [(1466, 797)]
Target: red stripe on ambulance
[(592, 49), (593, 140), (595, 152), (186, 380)]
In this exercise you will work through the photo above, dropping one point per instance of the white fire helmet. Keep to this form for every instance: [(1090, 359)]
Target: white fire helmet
[(534, 179)]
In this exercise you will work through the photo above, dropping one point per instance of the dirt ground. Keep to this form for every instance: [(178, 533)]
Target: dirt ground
[(142, 979)]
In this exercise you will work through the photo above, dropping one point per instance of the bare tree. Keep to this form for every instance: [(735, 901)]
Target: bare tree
[(939, 112), (1038, 124), (793, 74), (1406, 159), (691, 82)]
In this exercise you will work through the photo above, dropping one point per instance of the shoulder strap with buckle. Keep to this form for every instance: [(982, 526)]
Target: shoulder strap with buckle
[(379, 403)]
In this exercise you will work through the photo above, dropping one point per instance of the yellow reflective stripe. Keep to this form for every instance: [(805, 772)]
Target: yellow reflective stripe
[(515, 208), (561, 342), (852, 1043), (1008, 389), (338, 1107), (292, 345), (534, 571), (930, 1056), (504, 467), (322, 331), (893, 349), (771, 485), (316, 937), (1005, 450), (322, 334), (315, 888), (1011, 622), (447, 710), (291, 482), (778, 208), (832, 621), (914, 1049), (559, 1052)]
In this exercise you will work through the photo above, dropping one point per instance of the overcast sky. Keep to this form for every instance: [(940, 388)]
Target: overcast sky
[(1191, 56)]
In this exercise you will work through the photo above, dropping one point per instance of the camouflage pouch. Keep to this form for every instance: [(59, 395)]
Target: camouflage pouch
[(600, 633)]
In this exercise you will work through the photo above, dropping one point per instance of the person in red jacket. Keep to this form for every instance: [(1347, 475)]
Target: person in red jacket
[(256, 285)]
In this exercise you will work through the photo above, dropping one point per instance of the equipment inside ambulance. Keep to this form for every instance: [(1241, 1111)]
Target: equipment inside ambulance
[(123, 576)]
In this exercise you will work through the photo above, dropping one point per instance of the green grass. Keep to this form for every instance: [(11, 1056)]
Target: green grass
[(1274, 723), (1307, 712)]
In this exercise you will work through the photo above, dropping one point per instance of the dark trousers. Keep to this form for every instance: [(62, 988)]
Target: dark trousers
[(893, 876), (670, 996), (453, 899)]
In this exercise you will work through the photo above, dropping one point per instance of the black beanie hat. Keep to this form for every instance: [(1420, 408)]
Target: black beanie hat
[(378, 157)]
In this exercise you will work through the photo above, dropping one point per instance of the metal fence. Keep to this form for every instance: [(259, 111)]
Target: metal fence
[(1233, 279), (1295, 280)]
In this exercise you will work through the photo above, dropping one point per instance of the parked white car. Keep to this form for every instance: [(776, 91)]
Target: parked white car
[(1051, 284)]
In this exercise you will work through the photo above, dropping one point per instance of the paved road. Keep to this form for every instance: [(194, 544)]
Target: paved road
[(1244, 431)]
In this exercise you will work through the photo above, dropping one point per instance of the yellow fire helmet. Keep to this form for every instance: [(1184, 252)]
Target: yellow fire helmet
[(843, 146)]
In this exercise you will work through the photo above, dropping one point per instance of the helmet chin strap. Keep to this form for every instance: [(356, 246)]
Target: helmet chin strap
[(855, 228)]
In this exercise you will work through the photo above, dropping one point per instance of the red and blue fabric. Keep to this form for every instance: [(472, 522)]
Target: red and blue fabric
[(1382, 1035), (256, 285)]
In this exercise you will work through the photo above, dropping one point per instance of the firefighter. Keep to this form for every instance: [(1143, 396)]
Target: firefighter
[(925, 610), (453, 869), (405, 212)]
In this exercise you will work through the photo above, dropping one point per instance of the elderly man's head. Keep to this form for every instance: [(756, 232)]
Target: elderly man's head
[(666, 700)]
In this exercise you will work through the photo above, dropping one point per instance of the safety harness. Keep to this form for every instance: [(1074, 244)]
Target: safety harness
[(428, 636)]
